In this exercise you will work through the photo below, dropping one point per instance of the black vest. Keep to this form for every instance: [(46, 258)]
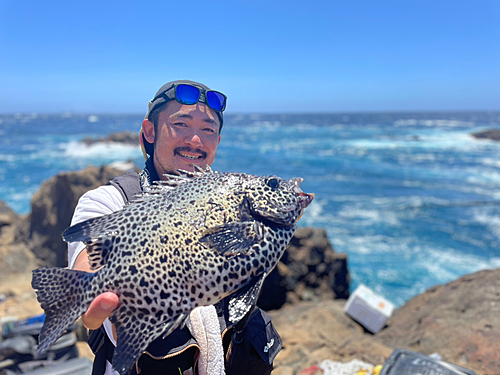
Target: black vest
[(253, 342)]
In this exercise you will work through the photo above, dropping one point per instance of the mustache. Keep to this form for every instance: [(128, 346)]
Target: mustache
[(178, 150)]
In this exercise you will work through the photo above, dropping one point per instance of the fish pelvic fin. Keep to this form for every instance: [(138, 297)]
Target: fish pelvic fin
[(243, 300), (98, 251), (63, 296), (135, 330), (233, 239), (98, 236)]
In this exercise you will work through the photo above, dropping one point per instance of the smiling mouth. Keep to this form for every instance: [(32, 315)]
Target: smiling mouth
[(189, 153), (192, 157)]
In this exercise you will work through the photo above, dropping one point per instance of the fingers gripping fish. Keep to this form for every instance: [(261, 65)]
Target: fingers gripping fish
[(190, 241)]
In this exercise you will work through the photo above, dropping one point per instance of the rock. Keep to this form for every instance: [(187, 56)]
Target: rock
[(126, 137), (52, 207), (312, 332), (7, 216), (459, 320), (309, 270), (492, 134), (15, 256)]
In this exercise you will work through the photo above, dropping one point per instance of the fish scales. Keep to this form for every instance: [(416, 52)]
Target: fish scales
[(188, 242)]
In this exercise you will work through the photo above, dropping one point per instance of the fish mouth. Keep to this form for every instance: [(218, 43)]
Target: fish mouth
[(304, 199)]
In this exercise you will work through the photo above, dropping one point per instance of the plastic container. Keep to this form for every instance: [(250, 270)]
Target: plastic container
[(406, 362), (368, 309)]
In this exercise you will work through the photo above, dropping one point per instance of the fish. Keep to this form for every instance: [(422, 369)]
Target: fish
[(188, 241)]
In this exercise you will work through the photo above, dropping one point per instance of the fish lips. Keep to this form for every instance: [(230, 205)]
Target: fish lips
[(304, 198)]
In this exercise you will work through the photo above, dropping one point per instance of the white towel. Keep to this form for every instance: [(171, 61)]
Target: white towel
[(204, 326)]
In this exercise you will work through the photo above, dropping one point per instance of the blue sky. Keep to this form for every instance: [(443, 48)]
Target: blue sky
[(267, 56)]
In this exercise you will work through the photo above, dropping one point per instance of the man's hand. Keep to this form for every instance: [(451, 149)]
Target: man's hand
[(100, 309)]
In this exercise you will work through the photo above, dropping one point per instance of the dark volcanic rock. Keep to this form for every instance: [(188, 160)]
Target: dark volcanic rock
[(121, 137), (459, 320), (7, 216), (52, 208), (15, 255), (493, 134), (309, 270)]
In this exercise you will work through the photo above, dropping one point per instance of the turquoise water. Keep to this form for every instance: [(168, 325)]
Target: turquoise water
[(412, 199)]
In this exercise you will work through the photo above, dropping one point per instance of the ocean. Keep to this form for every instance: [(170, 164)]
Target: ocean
[(412, 198)]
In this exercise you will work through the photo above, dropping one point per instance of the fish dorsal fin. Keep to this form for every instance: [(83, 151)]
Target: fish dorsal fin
[(233, 239), (243, 300), (170, 182)]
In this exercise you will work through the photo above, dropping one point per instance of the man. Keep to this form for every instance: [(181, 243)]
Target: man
[(181, 128)]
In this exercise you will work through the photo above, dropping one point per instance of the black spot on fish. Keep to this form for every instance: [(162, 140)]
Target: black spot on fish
[(164, 295)]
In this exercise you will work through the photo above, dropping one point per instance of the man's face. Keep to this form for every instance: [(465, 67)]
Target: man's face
[(185, 135)]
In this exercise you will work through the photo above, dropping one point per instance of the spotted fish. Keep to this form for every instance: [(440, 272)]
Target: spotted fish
[(189, 241)]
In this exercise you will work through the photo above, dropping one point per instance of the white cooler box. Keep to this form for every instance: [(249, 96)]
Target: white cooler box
[(368, 309)]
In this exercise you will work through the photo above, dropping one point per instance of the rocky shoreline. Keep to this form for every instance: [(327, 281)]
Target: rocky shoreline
[(305, 294)]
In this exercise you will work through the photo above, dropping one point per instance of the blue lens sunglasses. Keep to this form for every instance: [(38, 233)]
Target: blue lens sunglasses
[(189, 94)]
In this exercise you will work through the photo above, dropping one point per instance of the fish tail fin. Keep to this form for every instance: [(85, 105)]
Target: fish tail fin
[(64, 296)]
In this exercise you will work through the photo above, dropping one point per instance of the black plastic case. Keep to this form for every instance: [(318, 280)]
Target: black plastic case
[(406, 362)]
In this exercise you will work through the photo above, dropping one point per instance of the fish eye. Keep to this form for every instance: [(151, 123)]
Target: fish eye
[(272, 182)]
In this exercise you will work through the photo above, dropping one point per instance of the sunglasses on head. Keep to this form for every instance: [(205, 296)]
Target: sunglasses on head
[(189, 94)]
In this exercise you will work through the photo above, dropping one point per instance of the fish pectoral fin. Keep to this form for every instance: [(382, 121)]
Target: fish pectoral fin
[(243, 300), (232, 239), (98, 251)]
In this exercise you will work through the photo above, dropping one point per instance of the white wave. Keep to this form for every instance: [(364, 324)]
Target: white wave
[(368, 217), (103, 150), (489, 219), (448, 264), (442, 141), (8, 158), (490, 162), (433, 123), (93, 118)]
